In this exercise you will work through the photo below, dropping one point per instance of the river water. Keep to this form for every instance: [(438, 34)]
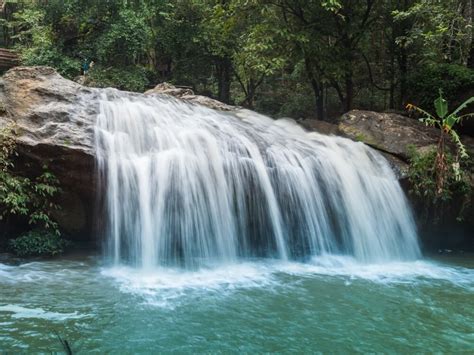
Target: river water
[(330, 304)]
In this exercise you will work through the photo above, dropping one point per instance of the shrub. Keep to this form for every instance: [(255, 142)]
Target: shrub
[(436, 204), (25, 197), (37, 45), (38, 243), (445, 122), (133, 78), (456, 81), (444, 173)]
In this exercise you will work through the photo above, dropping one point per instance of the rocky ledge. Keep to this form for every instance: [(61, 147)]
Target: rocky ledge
[(188, 95), (54, 121), (392, 134)]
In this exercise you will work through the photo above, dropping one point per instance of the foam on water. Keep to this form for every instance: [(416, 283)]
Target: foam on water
[(24, 312), (170, 287), (42, 271), (251, 306), (166, 286)]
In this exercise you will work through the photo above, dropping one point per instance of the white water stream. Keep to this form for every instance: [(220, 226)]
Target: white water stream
[(188, 186)]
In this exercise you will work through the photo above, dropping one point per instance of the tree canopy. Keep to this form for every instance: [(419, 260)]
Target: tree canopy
[(299, 58)]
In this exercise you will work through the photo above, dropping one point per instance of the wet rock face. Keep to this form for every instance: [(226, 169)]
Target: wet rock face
[(53, 118)]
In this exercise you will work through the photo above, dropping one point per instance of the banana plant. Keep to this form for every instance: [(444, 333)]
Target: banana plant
[(445, 121)]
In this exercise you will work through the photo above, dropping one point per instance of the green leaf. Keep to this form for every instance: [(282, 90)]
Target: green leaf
[(463, 106), (441, 106), (449, 122)]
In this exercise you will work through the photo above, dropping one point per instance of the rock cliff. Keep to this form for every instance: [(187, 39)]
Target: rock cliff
[(53, 118)]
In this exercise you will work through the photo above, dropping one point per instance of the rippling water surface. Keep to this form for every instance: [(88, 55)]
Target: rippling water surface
[(329, 304)]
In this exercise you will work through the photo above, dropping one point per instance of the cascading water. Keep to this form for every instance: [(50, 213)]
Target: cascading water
[(187, 185)]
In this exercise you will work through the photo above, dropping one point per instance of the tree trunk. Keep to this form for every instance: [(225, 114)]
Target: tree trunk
[(470, 61), (392, 51), (223, 70), (403, 65), (349, 97), (469, 16), (349, 74), (250, 94), (318, 91), (403, 59)]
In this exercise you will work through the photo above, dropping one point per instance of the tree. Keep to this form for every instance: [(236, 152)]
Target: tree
[(337, 54)]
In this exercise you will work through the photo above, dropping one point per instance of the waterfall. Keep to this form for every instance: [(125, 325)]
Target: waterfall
[(186, 185)]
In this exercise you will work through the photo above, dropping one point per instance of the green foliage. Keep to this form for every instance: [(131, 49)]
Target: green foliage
[(455, 80), (438, 176), (446, 122), (38, 243), (36, 43), (132, 78), (423, 176), (439, 26), (369, 54), (298, 105), (24, 197), (125, 40)]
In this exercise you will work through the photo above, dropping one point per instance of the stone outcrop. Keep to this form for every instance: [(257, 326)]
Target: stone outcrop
[(53, 120), (188, 95), (394, 135), (320, 126), (388, 132), (169, 89)]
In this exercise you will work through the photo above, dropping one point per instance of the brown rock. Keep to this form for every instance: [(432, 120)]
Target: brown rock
[(389, 132), (188, 95), (169, 89), (54, 120), (320, 126)]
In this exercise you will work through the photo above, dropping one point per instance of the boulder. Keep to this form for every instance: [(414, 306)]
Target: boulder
[(322, 127), (388, 132), (53, 119), (54, 123), (188, 95), (394, 135), (169, 89)]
